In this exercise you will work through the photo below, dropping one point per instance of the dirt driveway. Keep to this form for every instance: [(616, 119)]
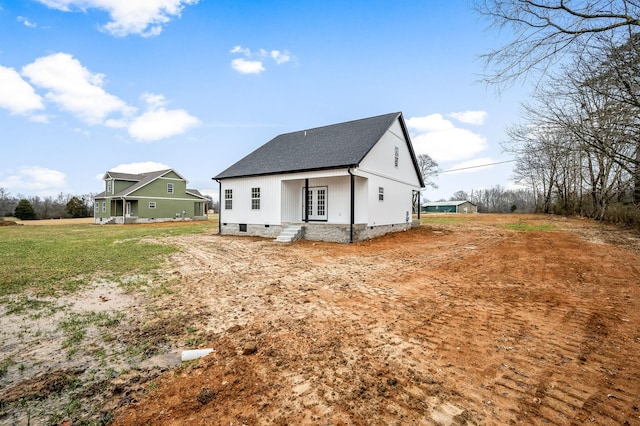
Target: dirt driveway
[(464, 321)]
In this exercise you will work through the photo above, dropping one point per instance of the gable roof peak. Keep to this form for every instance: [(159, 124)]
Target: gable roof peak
[(333, 146)]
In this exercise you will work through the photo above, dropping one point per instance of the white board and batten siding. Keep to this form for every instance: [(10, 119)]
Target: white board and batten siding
[(398, 182), (337, 202), (281, 197), (241, 212)]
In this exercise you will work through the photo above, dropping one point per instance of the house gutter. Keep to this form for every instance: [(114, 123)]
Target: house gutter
[(353, 204)]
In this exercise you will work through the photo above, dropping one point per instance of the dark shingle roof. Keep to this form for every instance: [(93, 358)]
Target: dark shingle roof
[(141, 180), (328, 147)]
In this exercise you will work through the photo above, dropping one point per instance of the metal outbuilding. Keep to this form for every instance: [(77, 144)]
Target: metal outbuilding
[(460, 206)]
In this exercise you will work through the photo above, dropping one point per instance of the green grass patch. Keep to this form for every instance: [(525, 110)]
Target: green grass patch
[(55, 259), (194, 342), (525, 227), (439, 220), (4, 366), (75, 325), (25, 304)]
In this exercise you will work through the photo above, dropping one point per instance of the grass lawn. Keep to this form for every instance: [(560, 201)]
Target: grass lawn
[(49, 260)]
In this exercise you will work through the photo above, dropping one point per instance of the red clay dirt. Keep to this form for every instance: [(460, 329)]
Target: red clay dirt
[(463, 321)]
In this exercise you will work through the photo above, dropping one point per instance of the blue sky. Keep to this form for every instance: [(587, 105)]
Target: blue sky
[(88, 86)]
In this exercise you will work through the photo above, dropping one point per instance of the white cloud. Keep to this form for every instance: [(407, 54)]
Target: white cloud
[(470, 117), (159, 123), (73, 88), (17, 95), (244, 66), (136, 168), (143, 17), (280, 57), (254, 62), (154, 101), (430, 123), (26, 22), (443, 141), (32, 178), (240, 49)]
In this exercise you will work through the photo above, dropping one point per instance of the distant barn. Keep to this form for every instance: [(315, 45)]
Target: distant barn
[(460, 206)]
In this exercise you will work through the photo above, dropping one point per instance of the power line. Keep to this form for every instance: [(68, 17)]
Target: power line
[(475, 167)]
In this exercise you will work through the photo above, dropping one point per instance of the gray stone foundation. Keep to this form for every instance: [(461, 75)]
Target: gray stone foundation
[(377, 231), (267, 231), (314, 231)]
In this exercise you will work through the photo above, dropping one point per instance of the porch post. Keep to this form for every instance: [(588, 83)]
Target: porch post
[(353, 206), (219, 207), (306, 200), (419, 204)]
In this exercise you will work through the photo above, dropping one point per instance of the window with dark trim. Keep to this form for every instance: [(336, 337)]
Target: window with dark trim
[(169, 188), (152, 204), (396, 156), (380, 193), (255, 198), (109, 191), (228, 199)]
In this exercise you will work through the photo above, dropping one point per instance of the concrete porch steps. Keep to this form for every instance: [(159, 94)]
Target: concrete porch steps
[(289, 234)]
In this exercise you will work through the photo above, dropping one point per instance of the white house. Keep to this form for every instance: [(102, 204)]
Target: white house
[(343, 182)]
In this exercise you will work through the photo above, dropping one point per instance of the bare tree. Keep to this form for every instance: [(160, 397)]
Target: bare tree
[(576, 141), (547, 31), (429, 169)]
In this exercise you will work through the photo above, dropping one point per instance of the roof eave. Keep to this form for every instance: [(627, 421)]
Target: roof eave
[(283, 172)]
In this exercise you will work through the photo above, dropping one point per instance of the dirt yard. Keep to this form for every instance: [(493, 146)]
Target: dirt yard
[(463, 321)]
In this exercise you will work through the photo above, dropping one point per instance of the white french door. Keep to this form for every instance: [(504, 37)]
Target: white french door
[(316, 203)]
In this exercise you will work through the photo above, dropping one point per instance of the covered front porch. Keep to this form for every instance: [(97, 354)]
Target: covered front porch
[(329, 200)]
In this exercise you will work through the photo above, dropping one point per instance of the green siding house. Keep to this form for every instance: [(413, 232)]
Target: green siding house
[(158, 196)]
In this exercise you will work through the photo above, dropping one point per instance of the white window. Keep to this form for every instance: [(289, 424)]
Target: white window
[(109, 187), (380, 193), (396, 156), (104, 206), (152, 204), (228, 199), (169, 188), (255, 198)]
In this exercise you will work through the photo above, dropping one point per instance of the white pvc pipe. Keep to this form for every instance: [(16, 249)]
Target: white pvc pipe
[(195, 353)]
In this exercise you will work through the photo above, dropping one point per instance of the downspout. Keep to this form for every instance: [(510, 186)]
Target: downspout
[(353, 204)]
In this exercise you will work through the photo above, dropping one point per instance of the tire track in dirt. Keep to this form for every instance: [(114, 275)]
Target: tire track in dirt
[(463, 324)]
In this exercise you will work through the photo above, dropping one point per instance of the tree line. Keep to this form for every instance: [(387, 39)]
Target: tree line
[(577, 148), (34, 207)]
